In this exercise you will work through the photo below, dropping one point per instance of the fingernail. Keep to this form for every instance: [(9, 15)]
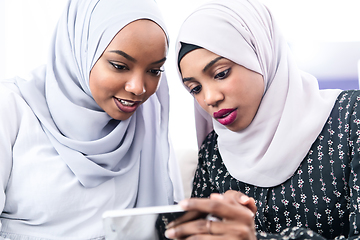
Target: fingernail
[(170, 233)]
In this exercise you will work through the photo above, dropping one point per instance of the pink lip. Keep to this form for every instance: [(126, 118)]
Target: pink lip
[(126, 109), (225, 116)]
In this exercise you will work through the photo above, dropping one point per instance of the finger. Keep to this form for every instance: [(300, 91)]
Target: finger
[(241, 198), (210, 237), (220, 209), (217, 196), (251, 205), (232, 228), (202, 229), (188, 216), (187, 229)]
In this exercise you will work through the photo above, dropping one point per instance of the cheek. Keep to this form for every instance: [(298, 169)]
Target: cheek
[(245, 89), (257, 89), (96, 78), (101, 82), (93, 83), (102, 78), (201, 102), (157, 84), (152, 86)]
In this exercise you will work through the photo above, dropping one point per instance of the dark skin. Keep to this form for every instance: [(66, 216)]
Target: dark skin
[(235, 209), (217, 84)]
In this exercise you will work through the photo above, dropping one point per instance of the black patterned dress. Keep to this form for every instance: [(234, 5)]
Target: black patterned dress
[(320, 201)]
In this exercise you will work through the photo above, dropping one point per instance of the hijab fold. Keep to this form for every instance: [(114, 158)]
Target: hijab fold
[(94, 146), (293, 110)]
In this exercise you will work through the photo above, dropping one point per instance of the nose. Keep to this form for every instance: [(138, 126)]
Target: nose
[(212, 95), (135, 85)]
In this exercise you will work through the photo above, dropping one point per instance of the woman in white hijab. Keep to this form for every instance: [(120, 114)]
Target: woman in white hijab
[(267, 131), (88, 132)]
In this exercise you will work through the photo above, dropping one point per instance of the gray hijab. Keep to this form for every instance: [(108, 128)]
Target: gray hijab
[(94, 146)]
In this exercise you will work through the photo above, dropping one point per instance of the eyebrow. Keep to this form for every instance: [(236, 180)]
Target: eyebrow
[(188, 79), (210, 64), (130, 58), (160, 61), (125, 55)]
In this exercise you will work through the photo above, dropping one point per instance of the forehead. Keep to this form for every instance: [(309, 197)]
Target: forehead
[(141, 38), (140, 30)]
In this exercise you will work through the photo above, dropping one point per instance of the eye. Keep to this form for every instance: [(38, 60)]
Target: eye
[(223, 74), (195, 90), (156, 72), (118, 66)]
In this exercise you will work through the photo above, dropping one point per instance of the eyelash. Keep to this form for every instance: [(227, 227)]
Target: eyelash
[(118, 67), (158, 72), (225, 74), (155, 72), (195, 90)]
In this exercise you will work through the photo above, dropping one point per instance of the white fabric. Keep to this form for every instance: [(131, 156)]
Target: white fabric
[(293, 110), (40, 197), (94, 146)]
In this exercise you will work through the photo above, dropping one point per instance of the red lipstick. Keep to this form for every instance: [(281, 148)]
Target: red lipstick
[(226, 116)]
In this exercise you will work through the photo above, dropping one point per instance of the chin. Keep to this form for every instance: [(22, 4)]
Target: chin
[(236, 128), (121, 117), (233, 129)]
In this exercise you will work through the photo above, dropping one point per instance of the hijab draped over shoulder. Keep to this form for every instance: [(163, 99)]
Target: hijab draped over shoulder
[(94, 146), (293, 110)]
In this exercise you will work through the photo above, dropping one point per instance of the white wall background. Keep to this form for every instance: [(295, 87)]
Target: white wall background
[(26, 28)]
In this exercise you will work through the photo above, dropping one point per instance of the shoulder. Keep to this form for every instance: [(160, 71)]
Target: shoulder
[(350, 97), (345, 115), (8, 90), (347, 103), (12, 104)]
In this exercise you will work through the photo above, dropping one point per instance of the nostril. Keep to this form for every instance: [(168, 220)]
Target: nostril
[(134, 88), (141, 92)]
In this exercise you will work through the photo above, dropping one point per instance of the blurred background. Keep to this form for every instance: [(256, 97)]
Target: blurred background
[(323, 35)]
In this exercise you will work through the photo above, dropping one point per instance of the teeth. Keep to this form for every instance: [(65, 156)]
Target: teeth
[(126, 103), (225, 115)]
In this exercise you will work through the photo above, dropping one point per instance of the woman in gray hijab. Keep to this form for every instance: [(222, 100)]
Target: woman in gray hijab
[(87, 132)]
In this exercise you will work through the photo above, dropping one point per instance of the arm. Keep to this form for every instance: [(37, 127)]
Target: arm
[(351, 126), (354, 181), (235, 214), (237, 205), (350, 122), (8, 133)]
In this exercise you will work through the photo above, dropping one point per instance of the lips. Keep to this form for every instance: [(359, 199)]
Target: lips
[(225, 116), (126, 106)]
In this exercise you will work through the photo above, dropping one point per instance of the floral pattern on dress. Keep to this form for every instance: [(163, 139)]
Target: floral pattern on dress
[(320, 201)]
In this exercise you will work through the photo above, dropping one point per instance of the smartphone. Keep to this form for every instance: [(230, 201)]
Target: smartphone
[(146, 223)]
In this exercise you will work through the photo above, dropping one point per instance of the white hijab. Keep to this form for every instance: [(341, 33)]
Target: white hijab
[(94, 146), (293, 110)]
